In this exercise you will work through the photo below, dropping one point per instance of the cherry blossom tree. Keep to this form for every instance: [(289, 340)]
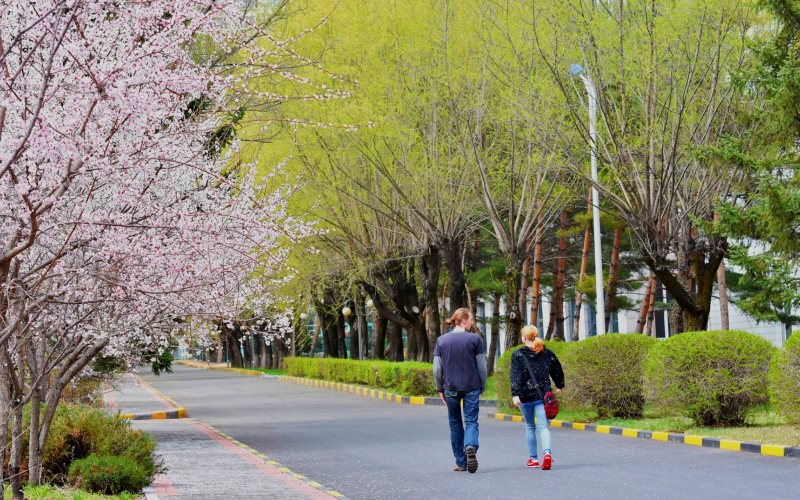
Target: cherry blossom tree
[(117, 223)]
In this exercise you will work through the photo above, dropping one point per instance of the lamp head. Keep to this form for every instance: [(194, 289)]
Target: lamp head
[(346, 312), (303, 316), (576, 70)]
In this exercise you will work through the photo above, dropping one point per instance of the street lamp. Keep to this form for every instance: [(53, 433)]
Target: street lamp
[(577, 71)]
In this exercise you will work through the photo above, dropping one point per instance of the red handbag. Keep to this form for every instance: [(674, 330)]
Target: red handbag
[(550, 405)]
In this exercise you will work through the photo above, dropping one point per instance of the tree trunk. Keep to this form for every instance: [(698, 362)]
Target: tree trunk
[(587, 234), (5, 419), (613, 276), (646, 303), (395, 334), (651, 310), (551, 323), (315, 338), (380, 336), (411, 344), (523, 288), (537, 275), (722, 288), (15, 460), (35, 450), (452, 252), (513, 317), (495, 333), (561, 268), (361, 322)]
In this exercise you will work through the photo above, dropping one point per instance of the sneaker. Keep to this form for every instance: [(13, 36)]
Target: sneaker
[(547, 461), (459, 468), (472, 460), (533, 462)]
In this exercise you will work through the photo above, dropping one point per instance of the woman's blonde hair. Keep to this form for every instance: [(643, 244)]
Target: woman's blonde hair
[(531, 334), (459, 316)]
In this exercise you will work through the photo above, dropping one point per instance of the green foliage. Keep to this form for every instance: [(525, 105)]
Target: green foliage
[(713, 377), (502, 375), (606, 373), (162, 362), (784, 380), (108, 474), (79, 431), (407, 377)]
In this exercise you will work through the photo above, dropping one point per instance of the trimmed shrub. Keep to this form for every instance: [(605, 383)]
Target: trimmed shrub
[(713, 377), (106, 474), (606, 373), (784, 379), (79, 431), (408, 377), (502, 376)]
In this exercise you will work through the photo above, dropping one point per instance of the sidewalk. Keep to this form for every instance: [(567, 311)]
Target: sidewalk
[(203, 463)]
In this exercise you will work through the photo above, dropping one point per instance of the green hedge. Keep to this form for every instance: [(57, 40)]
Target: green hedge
[(109, 475), (606, 373), (408, 377), (784, 379), (502, 376), (714, 377)]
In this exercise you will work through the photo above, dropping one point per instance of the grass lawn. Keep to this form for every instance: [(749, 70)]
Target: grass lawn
[(46, 492), (269, 371)]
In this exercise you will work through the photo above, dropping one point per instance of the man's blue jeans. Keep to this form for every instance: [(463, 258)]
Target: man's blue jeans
[(464, 432)]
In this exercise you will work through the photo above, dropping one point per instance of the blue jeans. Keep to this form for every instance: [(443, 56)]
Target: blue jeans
[(463, 433), (542, 426)]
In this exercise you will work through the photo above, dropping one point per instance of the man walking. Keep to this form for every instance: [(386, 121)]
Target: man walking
[(459, 367)]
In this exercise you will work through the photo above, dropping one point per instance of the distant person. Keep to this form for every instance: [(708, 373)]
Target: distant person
[(459, 367), (545, 365)]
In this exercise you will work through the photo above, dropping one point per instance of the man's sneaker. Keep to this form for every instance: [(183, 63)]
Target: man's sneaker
[(472, 460), (459, 468), (532, 462), (547, 461)]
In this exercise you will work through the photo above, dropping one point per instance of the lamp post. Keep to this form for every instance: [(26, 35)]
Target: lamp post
[(577, 71)]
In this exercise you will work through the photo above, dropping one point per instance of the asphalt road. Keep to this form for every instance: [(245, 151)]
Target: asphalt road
[(371, 449)]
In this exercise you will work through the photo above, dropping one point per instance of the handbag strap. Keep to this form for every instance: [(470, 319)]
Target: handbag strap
[(533, 377)]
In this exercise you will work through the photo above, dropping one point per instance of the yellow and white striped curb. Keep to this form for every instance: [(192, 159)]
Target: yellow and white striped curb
[(240, 371), (669, 437), (156, 415)]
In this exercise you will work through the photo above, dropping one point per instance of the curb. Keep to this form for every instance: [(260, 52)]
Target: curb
[(374, 393), (240, 371), (771, 450), (156, 415)]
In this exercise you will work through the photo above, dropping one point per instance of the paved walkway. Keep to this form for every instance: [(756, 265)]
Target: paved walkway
[(201, 462)]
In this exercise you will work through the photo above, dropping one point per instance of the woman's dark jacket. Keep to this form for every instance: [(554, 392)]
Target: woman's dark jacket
[(544, 364)]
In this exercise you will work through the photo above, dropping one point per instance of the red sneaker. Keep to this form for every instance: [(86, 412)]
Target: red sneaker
[(547, 461), (532, 462)]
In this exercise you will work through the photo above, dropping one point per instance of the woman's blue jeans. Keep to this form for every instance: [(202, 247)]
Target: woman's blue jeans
[(464, 432), (542, 426)]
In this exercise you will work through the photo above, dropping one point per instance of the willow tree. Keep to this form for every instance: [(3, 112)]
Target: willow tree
[(665, 96), (507, 115)]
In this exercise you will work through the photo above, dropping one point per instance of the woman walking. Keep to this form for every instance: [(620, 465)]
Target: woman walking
[(527, 389)]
